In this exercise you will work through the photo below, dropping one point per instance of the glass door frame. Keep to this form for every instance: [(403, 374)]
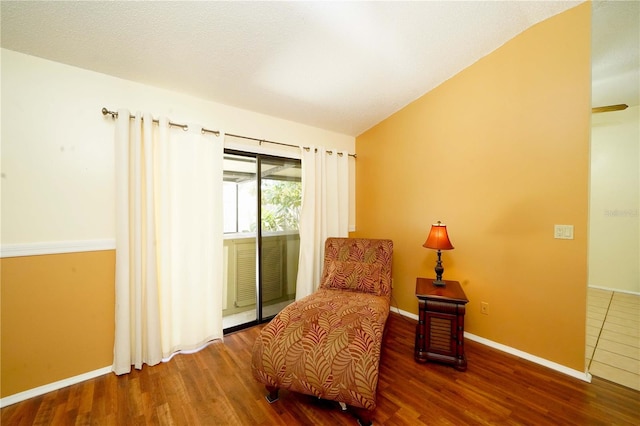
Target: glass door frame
[(259, 157)]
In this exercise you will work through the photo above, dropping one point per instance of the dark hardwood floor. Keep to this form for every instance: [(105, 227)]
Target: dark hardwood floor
[(215, 387)]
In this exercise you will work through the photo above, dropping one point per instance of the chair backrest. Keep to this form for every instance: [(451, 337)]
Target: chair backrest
[(365, 250)]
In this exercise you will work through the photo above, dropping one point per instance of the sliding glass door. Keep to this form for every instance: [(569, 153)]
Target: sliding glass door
[(279, 242), (261, 257)]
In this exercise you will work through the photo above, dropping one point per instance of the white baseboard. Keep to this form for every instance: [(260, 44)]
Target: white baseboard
[(584, 376), (405, 313), (55, 247), (41, 390), (617, 290)]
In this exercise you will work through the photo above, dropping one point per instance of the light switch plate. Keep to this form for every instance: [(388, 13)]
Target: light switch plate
[(563, 232)]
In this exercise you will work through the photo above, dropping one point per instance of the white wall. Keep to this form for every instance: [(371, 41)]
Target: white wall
[(57, 148), (614, 213)]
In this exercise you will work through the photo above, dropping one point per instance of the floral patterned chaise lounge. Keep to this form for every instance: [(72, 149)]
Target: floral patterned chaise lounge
[(328, 344)]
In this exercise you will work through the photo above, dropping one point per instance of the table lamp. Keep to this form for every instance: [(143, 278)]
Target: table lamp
[(438, 239)]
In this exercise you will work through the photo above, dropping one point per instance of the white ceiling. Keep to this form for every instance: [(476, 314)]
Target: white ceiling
[(341, 66), (615, 53)]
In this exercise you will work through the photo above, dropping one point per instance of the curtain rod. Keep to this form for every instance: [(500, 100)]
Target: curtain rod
[(114, 114)]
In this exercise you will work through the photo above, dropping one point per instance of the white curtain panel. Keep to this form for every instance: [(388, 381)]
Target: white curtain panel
[(169, 240), (324, 212)]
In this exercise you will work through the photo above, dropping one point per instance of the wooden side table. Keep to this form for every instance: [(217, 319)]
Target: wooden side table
[(440, 329)]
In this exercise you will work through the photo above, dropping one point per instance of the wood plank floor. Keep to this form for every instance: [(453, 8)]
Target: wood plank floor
[(215, 387)]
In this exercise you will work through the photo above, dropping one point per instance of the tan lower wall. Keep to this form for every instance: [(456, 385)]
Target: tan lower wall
[(57, 317)]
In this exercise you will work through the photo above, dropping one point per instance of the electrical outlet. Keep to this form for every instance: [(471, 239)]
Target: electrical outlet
[(484, 308)]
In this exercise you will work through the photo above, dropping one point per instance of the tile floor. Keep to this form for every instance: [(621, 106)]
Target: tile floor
[(613, 336)]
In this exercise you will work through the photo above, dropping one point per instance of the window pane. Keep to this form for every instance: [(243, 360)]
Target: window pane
[(240, 210), (281, 194), (229, 206), (281, 201), (247, 209), (281, 190)]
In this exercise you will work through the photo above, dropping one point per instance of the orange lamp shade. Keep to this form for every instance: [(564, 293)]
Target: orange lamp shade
[(438, 238)]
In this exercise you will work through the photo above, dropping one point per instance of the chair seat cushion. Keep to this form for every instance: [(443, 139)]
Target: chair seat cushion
[(327, 344)]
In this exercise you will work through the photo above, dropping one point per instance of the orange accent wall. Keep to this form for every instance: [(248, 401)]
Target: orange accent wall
[(57, 317), (499, 153)]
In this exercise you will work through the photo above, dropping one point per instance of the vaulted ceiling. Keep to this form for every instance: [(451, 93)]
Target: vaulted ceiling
[(341, 66)]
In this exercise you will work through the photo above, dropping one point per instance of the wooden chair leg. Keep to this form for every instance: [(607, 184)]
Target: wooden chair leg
[(272, 396)]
